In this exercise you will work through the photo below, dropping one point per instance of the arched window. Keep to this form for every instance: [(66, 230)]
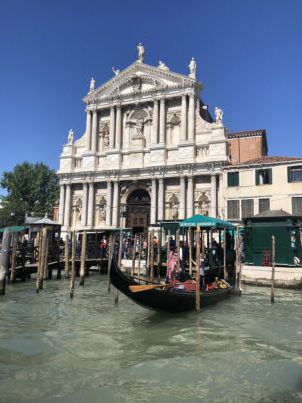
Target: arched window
[(202, 205)]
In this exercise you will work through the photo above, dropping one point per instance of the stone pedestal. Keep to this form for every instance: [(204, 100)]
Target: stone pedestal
[(186, 152), (114, 159), (157, 155), (218, 144), (89, 162)]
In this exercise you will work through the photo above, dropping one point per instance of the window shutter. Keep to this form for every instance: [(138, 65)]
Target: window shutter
[(233, 179), (270, 176), (257, 177), (289, 177)]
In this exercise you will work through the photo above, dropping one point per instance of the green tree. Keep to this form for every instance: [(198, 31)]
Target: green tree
[(30, 188)]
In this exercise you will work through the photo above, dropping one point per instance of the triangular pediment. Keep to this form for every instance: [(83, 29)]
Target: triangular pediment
[(139, 77)]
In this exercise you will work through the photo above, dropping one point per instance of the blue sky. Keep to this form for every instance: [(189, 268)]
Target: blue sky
[(249, 56)]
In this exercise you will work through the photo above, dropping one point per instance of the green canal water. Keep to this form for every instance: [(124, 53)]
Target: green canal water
[(53, 349)]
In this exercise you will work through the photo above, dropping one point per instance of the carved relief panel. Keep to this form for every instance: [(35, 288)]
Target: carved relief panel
[(138, 124), (76, 210), (173, 128), (100, 206), (104, 136)]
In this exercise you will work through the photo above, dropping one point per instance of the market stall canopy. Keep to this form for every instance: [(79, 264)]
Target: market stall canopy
[(15, 228), (206, 222)]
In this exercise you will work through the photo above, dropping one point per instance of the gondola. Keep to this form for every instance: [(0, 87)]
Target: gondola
[(174, 301)]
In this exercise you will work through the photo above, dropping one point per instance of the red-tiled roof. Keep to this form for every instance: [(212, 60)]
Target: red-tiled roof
[(268, 160)]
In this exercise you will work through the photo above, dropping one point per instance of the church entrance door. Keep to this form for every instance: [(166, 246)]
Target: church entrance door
[(138, 210)]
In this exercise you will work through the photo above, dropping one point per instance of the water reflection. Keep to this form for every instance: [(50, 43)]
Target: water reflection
[(88, 349)]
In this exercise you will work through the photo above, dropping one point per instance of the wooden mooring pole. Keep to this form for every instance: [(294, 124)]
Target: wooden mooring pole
[(66, 256), (152, 255), (238, 265), (4, 259), (168, 252), (45, 264), (158, 253), (14, 257), (197, 291), (178, 250), (139, 256), (190, 250), (73, 268), (110, 256), (41, 264), (273, 270), (225, 272), (133, 256), (83, 258)]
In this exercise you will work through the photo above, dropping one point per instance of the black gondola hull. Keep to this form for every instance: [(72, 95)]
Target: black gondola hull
[(170, 301)]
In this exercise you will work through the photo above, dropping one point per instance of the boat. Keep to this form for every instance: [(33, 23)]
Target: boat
[(158, 299)]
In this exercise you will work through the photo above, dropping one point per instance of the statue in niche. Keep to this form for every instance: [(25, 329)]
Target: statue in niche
[(139, 126), (116, 72), (70, 137), (102, 213), (175, 212), (104, 130), (141, 53), (102, 210), (202, 204), (192, 68), (106, 140), (92, 84), (174, 207), (163, 66), (218, 115), (175, 120), (76, 211)]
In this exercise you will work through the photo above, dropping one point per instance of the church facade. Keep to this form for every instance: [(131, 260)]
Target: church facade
[(150, 152)]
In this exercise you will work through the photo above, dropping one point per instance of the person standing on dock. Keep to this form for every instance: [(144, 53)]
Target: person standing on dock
[(103, 247)]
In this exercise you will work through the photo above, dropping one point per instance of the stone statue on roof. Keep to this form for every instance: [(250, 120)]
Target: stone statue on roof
[(70, 137), (115, 71), (192, 68), (163, 66), (141, 53), (218, 115), (92, 84)]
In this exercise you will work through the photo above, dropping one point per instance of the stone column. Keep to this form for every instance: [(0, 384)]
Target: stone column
[(118, 130), (182, 198), (94, 131), (183, 133), (162, 122), (160, 199), (90, 205), (88, 131), (109, 203), (61, 205), (67, 206), (153, 202), (191, 117), (115, 204), (84, 204), (112, 128), (154, 139), (190, 197), (213, 196)]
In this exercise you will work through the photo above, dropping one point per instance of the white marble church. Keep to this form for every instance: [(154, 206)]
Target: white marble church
[(150, 149)]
